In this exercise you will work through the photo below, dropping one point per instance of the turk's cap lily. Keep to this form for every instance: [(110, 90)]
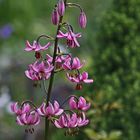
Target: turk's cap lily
[(79, 104), (71, 121), (39, 71), (79, 78), (59, 59), (20, 110), (31, 118), (50, 110), (71, 38), (36, 46), (72, 64), (66, 121)]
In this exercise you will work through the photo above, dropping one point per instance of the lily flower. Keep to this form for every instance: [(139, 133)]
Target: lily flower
[(79, 78), (39, 71), (36, 46), (50, 110), (19, 111), (31, 118), (59, 60), (72, 64), (71, 38), (66, 121), (81, 104), (71, 121)]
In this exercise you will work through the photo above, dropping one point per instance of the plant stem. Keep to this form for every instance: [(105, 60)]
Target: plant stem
[(52, 75)]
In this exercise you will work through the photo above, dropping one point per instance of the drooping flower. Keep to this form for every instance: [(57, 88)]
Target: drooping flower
[(72, 64), (55, 17), (61, 7), (66, 121), (71, 38), (81, 104), (36, 46), (20, 110), (59, 60), (39, 71), (50, 110), (30, 118), (71, 121), (82, 20), (79, 78)]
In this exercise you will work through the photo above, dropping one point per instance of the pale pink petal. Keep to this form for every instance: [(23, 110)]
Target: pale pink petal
[(88, 81), (56, 123), (72, 103), (18, 120), (59, 112)]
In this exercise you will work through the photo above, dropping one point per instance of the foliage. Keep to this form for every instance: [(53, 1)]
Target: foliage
[(117, 67)]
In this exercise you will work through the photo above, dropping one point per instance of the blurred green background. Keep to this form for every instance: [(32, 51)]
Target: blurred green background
[(111, 47)]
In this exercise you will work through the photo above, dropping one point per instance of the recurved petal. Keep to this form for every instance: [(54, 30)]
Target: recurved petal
[(26, 108), (14, 107), (19, 121), (72, 103), (88, 81), (62, 35), (59, 112), (41, 110), (57, 124), (86, 107)]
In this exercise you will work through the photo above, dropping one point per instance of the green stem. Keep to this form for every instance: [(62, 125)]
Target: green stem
[(52, 75)]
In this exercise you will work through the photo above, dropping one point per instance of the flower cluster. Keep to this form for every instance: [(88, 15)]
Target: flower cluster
[(44, 68), (26, 115)]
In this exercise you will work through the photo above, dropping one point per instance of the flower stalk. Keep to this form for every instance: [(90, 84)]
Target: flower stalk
[(52, 73), (72, 117)]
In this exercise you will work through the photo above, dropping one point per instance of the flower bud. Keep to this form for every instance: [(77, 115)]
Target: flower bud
[(55, 17), (61, 7), (82, 20)]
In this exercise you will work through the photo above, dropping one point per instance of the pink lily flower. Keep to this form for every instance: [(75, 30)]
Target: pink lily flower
[(39, 71), (50, 110), (71, 121), (36, 46), (72, 64), (19, 111), (60, 60), (71, 38), (31, 118), (81, 78), (81, 104), (66, 121)]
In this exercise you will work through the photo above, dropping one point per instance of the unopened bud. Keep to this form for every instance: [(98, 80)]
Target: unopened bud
[(61, 7), (55, 17), (82, 20)]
